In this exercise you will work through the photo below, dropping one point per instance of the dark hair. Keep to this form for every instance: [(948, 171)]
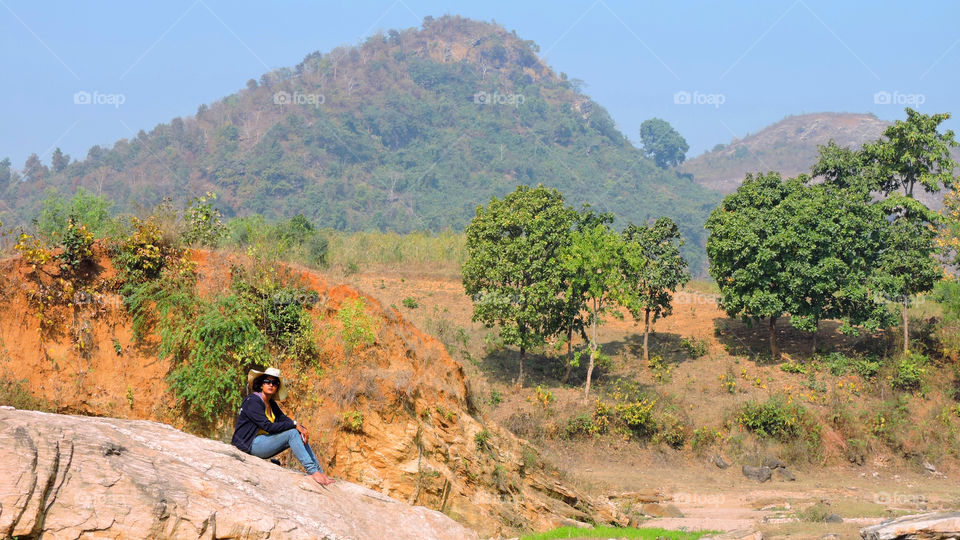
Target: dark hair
[(257, 385)]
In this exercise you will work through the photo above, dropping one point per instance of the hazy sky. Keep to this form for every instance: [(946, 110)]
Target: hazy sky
[(714, 70)]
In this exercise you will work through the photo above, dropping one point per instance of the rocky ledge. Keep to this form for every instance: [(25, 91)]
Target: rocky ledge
[(79, 477)]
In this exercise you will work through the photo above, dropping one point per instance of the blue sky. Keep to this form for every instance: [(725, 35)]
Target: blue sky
[(714, 70)]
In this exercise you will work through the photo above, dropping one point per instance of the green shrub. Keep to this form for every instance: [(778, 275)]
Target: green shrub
[(221, 344), (703, 438), (482, 439), (352, 421), (777, 419), (671, 431), (695, 347), (77, 245), (909, 372), (794, 368), (867, 367), (410, 303), (495, 397), (358, 328), (203, 223), (578, 426)]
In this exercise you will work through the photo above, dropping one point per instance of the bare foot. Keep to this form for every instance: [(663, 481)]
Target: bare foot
[(322, 479)]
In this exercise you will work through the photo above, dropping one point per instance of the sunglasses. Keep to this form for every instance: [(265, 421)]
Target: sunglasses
[(272, 382)]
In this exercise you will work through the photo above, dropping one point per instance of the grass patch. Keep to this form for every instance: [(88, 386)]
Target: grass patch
[(615, 532)]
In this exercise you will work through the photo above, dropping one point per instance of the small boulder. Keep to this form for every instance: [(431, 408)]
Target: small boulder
[(719, 461), (660, 510), (785, 475), (773, 463), (834, 518), (760, 474)]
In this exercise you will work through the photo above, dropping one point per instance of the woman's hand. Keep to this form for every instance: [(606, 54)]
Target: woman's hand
[(303, 432)]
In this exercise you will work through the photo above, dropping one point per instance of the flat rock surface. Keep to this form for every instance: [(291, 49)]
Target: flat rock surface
[(926, 526), (80, 477)]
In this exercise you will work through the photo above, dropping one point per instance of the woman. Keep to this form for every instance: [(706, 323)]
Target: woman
[(264, 431)]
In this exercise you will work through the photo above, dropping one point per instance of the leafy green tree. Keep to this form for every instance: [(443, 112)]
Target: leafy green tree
[(913, 152), (662, 143), (512, 270), (84, 207), (652, 269), (748, 253), (570, 315), (592, 264)]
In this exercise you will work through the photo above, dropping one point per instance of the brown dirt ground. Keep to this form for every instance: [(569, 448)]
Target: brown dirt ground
[(708, 497)]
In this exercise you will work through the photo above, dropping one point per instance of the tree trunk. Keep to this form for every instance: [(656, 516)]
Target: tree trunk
[(566, 376), (774, 349), (816, 327), (906, 329), (593, 353), (523, 355), (646, 336)]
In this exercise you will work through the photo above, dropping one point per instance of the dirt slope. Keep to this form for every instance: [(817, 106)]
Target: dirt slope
[(419, 437)]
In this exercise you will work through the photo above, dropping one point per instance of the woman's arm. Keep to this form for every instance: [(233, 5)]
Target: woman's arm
[(256, 410)]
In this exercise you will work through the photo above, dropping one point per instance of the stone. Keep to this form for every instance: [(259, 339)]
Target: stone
[(932, 526), (929, 467), (71, 477), (773, 463), (834, 518), (719, 461), (660, 510), (785, 475), (760, 474), (642, 496)]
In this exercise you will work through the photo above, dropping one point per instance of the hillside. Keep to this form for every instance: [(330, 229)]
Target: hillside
[(410, 130), (393, 412), (788, 146)]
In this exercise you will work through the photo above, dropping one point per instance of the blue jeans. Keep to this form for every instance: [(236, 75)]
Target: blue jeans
[(267, 446)]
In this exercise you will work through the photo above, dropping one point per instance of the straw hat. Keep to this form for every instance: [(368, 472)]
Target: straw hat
[(253, 375)]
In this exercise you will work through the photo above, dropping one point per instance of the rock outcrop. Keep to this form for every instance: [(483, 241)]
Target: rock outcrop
[(418, 439), (78, 477), (931, 526)]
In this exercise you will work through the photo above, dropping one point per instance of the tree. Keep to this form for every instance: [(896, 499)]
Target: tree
[(662, 143), (747, 251), (652, 270), (913, 152), (5, 172), (570, 315), (59, 160), (512, 271), (592, 264), (34, 170)]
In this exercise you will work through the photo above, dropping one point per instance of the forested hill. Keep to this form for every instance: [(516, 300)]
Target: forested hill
[(788, 146), (408, 131)]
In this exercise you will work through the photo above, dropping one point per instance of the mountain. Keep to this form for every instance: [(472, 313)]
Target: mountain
[(788, 146), (411, 130)]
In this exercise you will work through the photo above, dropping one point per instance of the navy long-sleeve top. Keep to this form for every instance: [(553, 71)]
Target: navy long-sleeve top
[(253, 417)]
